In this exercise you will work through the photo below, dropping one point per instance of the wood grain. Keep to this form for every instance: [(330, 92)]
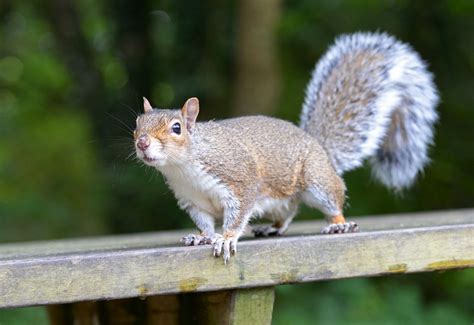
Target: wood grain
[(40, 277), (172, 238)]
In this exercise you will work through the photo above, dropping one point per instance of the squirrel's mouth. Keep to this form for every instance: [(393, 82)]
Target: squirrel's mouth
[(151, 160), (148, 159)]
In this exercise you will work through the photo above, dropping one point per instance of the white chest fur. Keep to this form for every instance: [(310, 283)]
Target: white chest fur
[(193, 187)]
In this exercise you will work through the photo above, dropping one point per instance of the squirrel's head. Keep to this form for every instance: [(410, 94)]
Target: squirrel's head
[(162, 136)]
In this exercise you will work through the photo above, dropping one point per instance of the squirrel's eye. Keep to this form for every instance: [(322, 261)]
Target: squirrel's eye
[(176, 128)]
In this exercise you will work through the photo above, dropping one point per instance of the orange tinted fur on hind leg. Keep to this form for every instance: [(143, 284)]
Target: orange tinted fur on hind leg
[(338, 219)]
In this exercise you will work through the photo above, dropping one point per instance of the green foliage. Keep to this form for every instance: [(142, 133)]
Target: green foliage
[(370, 301), (21, 316), (48, 167), (69, 100)]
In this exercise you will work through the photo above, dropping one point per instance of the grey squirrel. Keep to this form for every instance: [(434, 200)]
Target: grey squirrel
[(370, 96)]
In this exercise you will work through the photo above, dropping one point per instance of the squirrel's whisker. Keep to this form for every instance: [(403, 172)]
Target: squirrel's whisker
[(128, 129)]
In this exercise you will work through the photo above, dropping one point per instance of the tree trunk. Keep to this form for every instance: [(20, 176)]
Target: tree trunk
[(258, 79), (132, 38), (78, 56)]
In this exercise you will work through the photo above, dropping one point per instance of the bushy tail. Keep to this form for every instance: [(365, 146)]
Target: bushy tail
[(371, 96)]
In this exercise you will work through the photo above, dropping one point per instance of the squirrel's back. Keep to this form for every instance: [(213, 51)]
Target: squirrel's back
[(371, 96), (258, 147), (261, 135)]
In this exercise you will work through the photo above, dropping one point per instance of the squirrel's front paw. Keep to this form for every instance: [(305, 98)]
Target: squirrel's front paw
[(225, 245), (195, 240), (339, 228)]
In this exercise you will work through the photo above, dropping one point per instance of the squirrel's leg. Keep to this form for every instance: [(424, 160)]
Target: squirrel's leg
[(325, 191), (331, 206), (205, 224), (281, 217), (236, 218)]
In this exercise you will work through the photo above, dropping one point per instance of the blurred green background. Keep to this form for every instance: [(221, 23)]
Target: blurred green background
[(72, 74)]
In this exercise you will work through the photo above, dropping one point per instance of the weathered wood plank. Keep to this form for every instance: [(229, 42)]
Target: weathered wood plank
[(171, 238), (138, 272)]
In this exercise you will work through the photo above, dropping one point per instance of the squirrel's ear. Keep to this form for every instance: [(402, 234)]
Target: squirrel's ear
[(190, 112), (146, 105)]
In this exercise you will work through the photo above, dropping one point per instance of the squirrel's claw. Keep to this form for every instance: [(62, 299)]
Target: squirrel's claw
[(195, 240), (225, 247), (192, 240), (339, 228)]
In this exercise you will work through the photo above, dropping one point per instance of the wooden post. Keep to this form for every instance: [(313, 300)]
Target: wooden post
[(85, 313), (253, 306), (79, 313), (163, 310), (59, 314), (230, 307), (120, 311)]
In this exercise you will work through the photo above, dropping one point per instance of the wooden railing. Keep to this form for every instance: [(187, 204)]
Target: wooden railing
[(98, 280)]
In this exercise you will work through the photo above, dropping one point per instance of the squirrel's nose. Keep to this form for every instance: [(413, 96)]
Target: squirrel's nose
[(143, 142)]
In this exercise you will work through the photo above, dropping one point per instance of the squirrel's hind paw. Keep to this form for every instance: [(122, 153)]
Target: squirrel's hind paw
[(340, 228), (266, 231)]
